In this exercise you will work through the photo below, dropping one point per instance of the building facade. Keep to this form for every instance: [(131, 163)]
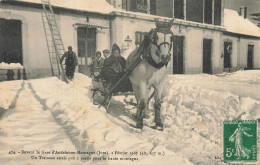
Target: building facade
[(241, 42), (83, 26), (198, 29), (205, 41)]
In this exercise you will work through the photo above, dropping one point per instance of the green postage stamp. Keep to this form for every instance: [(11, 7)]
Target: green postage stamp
[(240, 141)]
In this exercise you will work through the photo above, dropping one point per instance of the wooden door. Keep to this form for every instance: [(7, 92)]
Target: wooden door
[(250, 57), (178, 64), (227, 54), (207, 44), (86, 48)]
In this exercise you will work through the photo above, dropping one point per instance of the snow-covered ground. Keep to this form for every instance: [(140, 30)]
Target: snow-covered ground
[(50, 115)]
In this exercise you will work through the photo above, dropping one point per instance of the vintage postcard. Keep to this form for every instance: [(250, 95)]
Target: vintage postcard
[(122, 82)]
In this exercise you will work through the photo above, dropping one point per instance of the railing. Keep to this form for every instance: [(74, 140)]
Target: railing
[(12, 74)]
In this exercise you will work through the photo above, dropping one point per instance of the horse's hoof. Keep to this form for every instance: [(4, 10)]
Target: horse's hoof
[(159, 125), (139, 125)]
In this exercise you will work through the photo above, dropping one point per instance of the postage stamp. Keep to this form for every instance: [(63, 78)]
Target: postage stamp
[(240, 141)]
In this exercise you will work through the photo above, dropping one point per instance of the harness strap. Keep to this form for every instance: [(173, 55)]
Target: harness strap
[(153, 63)]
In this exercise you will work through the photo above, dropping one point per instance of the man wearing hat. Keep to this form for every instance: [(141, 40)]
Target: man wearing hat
[(71, 61), (114, 67), (106, 53)]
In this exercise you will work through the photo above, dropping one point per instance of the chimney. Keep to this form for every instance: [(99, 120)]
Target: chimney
[(243, 12), (240, 11)]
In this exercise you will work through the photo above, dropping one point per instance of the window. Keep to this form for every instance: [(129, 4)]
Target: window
[(208, 12), (179, 9), (124, 4), (217, 12), (164, 8), (137, 5), (194, 10), (139, 37), (153, 7)]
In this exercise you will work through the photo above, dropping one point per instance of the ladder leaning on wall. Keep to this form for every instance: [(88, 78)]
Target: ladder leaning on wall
[(53, 40)]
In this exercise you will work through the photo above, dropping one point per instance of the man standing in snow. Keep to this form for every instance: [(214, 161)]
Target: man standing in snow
[(71, 62)]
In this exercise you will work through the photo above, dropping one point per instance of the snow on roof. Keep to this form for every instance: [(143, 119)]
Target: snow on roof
[(97, 6), (237, 24)]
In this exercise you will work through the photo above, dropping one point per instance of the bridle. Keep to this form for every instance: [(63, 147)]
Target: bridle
[(153, 41)]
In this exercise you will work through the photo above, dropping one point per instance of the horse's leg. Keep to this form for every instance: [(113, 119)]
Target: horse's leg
[(146, 114), (157, 105), (137, 97), (141, 104)]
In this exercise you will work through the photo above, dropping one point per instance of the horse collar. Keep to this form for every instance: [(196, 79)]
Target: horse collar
[(154, 64)]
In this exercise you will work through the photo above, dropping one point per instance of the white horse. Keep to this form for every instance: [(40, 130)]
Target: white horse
[(155, 52)]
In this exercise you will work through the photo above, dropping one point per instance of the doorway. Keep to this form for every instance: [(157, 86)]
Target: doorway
[(250, 57), (86, 49), (178, 64), (207, 46), (11, 41), (227, 54)]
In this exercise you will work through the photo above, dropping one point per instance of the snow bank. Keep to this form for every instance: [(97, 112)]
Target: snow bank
[(10, 66), (193, 118), (9, 93), (192, 115), (246, 77), (89, 127)]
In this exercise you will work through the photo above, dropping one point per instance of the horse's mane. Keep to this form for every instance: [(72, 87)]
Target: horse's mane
[(135, 54)]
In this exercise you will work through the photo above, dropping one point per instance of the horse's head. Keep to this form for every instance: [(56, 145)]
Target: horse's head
[(160, 44)]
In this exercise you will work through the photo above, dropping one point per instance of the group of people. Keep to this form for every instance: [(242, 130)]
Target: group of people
[(108, 69)]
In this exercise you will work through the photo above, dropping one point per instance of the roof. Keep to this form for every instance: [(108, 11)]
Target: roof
[(237, 24), (96, 6)]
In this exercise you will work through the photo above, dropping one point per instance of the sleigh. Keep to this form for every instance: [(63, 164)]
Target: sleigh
[(104, 90), (146, 67)]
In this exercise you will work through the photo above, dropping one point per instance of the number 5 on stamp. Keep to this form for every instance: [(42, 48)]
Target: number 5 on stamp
[(240, 141)]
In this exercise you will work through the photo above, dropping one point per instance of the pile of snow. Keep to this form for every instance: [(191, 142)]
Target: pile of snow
[(246, 77), (193, 116), (192, 113), (91, 128), (10, 66), (9, 92)]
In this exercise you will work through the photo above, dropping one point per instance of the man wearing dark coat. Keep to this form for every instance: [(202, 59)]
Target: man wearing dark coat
[(71, 61), (114, 67)]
